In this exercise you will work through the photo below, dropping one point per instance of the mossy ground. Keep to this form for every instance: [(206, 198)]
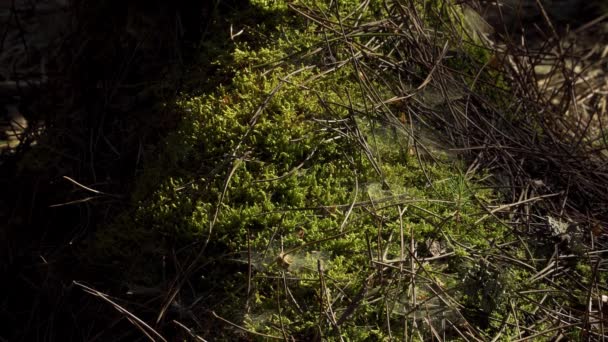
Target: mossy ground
[(308, 214)]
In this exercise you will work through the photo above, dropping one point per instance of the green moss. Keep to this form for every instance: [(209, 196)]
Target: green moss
[(275, 162)]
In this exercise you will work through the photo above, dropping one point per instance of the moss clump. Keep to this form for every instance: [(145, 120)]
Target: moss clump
[(303, 202)]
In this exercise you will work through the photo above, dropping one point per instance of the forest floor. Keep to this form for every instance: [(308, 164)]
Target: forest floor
[(304, 170)]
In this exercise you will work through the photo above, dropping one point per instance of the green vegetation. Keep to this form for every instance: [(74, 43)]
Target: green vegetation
[(301, 202), (288, 164), (307, 170)]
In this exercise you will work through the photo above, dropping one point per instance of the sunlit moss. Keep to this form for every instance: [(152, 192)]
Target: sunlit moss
[(276, 165)]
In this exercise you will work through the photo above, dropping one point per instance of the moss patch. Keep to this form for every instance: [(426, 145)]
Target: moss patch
[(301, 207)]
